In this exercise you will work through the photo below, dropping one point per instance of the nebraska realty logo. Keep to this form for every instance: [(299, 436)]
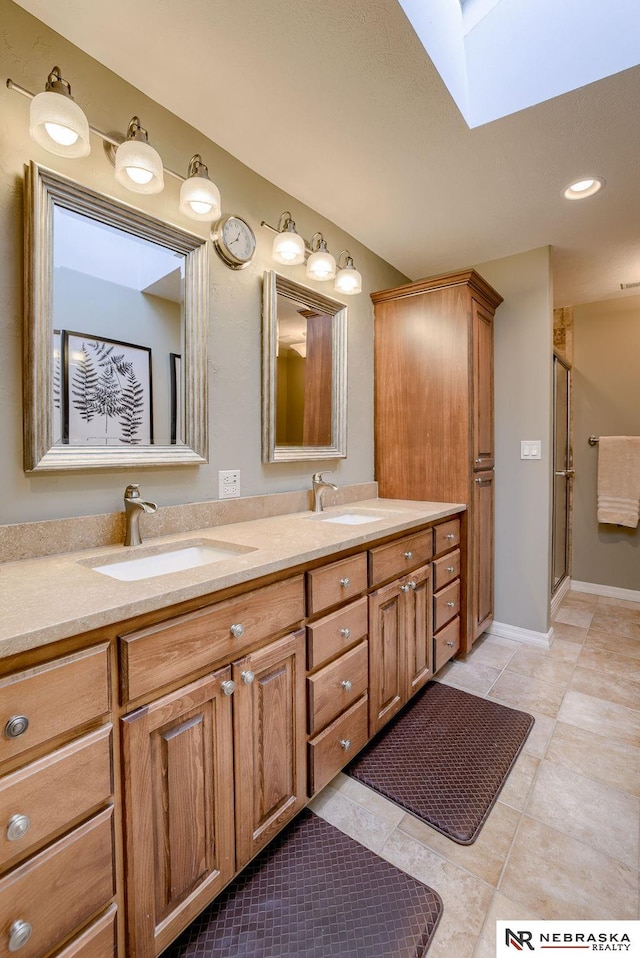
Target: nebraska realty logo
[(567, 937)]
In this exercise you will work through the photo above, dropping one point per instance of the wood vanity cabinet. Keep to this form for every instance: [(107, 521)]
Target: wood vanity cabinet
[(57, 869), (231, 711), (213, 770), (338, 662), (434, 413), (400, 625)]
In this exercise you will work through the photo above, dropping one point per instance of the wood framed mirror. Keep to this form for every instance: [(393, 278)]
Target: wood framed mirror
[(304, 365), (115, 333)]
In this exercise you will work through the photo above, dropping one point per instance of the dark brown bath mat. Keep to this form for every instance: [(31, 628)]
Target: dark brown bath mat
[(445, 758), (315, 893)]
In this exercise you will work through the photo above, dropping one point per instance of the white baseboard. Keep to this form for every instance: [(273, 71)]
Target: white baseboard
[(542, 640), (559, 595), (631, 595)]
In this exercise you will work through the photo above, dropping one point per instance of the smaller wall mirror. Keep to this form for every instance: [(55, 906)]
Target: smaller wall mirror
[(304, 401), (115, 335)]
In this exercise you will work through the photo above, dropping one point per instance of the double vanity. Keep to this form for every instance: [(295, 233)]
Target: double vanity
[(168, 709)]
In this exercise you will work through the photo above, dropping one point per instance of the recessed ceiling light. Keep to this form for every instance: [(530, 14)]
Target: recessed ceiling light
[(583, 188)]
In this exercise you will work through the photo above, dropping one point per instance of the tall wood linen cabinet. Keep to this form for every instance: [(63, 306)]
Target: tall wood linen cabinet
[(434, 414)]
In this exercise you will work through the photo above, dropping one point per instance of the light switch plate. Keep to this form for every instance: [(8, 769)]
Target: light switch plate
[(530, 449)]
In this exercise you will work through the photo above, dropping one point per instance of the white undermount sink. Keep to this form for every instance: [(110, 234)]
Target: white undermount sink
[(173, 557), (352, 518)]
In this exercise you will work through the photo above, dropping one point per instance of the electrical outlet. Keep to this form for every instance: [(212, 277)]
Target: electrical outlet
[(228, 483), (530, 449)]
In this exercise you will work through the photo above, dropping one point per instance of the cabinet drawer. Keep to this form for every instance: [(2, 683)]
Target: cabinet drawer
[(61, 888), (446, 604), (163, 653), (336, 583), (98, 941), (43, 702), (48, 794), (446, 536), (329, 751), (327, 637), (446, 569), (447, 642), (396, 558), (337, 686)]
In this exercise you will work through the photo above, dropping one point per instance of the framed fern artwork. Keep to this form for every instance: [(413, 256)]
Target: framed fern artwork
[(106, 391)]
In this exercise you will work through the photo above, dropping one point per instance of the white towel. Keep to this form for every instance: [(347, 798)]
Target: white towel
[(619, 480)]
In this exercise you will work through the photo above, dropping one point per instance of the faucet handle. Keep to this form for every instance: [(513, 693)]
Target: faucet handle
[(132, 491), (319, 476)]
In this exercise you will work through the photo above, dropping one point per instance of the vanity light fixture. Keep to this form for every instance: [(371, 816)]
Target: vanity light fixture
[(58, 125), (583, 188), (292, 249), (138, 165), (288, 245), (321, 265), (199, 196), (56, 122), (348, 279)]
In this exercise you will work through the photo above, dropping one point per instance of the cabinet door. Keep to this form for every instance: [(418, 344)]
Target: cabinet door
[(178, 780), (270, 741), (482, 551), (482, 339), (419, 630), (387, 626)]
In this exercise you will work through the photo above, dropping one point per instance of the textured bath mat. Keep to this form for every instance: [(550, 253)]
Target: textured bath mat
[(315, 893), (444, 758)]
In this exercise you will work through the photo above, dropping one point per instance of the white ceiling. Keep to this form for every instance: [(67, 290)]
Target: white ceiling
[(389, 157)]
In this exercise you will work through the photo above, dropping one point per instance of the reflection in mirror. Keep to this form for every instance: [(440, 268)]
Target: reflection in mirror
[(115, 346), (304, 363)]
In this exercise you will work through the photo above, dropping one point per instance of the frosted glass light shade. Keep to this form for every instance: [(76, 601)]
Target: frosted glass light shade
[(321, 265), (139, 167), (58, 125), (288, 248), (348, 281), (200, 198)]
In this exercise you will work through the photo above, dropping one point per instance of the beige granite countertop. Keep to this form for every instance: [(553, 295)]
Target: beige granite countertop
[(50, 598)]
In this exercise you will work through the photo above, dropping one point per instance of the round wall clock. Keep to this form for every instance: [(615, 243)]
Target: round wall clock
[(234, 241)]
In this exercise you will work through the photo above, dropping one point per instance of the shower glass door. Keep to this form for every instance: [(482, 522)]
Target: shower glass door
[(562, 471)]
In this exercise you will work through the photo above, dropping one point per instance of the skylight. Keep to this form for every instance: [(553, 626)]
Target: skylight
[(500, 56)]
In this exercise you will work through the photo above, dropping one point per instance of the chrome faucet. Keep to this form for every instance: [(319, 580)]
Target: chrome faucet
[(319, 485), (133, 506)]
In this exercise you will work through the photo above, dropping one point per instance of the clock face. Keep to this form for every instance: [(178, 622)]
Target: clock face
[(235, 242)]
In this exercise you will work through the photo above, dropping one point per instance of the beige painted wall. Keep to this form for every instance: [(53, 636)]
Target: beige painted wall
[(28, 51), (523, 410), (606, 395)]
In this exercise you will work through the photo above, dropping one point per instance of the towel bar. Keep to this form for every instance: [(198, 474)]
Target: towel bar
[(593, 440)]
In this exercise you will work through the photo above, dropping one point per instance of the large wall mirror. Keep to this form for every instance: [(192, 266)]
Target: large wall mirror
[(304, 402), (116, 333)]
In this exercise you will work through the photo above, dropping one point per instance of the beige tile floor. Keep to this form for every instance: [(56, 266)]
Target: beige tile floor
[(563, 840)]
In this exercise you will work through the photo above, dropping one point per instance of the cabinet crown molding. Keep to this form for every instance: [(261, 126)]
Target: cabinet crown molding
[(468, 277)]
